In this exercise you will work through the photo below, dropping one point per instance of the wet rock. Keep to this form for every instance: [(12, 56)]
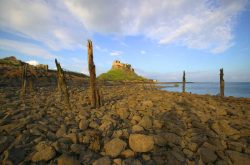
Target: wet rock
[(102, 161), (141, 143), (67, 160), (114, 147)]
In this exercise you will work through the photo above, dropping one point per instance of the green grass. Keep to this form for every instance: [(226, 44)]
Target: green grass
[(119, 75)]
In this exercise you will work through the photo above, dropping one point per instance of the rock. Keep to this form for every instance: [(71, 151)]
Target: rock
[(73, 137), (145, 157), (44, 153), (146, 122), (131, 161), (77, 148), (160, 140), (128, 153), (83, 125), (141, 143), (106, 127), (123, 113), (117, 161), (237, 157), (61, 131), (136, 118), (207, 155), (147, 103), (223, 127), (102, 161), (137, 128), (157, 124), (172, 138), (67, 160), (114, 147), (5, 141)]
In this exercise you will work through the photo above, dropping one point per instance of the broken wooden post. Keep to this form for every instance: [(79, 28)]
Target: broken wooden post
[(221, 83), (94, 92), (184, 82), (61, 84), (24, 78)]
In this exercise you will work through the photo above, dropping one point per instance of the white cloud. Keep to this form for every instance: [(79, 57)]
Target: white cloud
[(143, 52), (25, 48), (116, 53), (33, 62), (66, 24)]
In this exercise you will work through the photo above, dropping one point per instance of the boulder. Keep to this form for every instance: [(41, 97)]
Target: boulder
[(141, 143), (128, 153), (83, 125), (137, 128), (114, 147)]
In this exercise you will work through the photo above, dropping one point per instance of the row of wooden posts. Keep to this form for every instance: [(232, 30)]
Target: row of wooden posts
[(95, 96), (221, 82)]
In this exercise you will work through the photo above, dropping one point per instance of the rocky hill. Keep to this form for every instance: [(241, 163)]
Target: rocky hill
[(11, 69), (121, 72)]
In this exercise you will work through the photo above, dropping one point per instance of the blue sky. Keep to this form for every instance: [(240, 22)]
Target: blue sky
[(158, 38)]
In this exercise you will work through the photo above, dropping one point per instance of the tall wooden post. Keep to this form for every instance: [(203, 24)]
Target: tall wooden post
[(94, 92), (221, 83), (184, 82), (61, 84), (24, 78)]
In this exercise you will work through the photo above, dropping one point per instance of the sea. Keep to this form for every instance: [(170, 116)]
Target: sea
[(236, 89)]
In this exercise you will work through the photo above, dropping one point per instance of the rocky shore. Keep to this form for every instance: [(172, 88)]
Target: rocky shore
[(136, 125)]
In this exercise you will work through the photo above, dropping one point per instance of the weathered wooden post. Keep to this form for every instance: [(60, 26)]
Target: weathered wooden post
[(184, 82), (61, 84), (94, 92), (24, 78), (221, 83)]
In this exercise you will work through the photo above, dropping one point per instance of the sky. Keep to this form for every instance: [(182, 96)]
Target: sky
[(159, 38)]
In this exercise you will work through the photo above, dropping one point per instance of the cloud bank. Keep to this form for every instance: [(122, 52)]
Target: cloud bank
[(206, 25)]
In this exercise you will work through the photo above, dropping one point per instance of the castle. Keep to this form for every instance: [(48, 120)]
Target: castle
[(118, 65)]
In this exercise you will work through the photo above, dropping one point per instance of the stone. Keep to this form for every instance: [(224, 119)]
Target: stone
[(73, 137), (114, 147), (136, 118), (102, 161), (157, 124), (147, 103), (128, 153), (137, 128), (83, 125), (146, 122), (65, 159), (141, 143), (207, 155), (61, 131), (77, 148), (145, 157), (123, 113), (106, 127), (44, 153), (117, 161), (172, 138), (238, 158), (160, 140), (223, 127)]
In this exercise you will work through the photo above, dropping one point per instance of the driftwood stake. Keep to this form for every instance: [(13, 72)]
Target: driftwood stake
[(184, 82), (94, 92), (61, 84), (221, 83), (24, 78)]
